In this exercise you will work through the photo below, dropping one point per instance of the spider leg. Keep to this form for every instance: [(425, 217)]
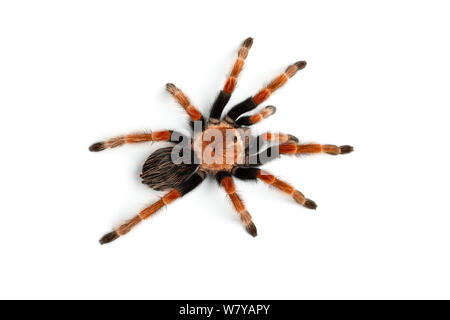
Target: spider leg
[(225, 94), (278, 137), (258, 174), (279, 81), (314, 148), (257, 117), (192, 111), (269, 138), (224, 179), (166, 135), (252, 102), (298, 149), (185, 187)]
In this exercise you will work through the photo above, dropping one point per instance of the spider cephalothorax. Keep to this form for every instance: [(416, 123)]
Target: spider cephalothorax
[(221, 147), (219, 155)]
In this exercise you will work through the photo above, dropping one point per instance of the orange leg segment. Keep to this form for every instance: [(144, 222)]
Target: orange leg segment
[(192, 111), (132, 138), (279, 81), (257, 117), (185, 187), (291, 148), (286, 188), (278, 138), (231, 82), (144, 214), (228, 184)]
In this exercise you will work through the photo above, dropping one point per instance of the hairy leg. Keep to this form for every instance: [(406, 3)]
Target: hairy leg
[(192, 111), (279, 81), (314, 148), (166, 135), (224, 179), (278, 137), (258, 174), (257, 117), (252, 102), (225, 94), (187, 186), (270, 153)]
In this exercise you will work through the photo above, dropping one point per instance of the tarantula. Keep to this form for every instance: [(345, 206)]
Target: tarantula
[(222, 147)]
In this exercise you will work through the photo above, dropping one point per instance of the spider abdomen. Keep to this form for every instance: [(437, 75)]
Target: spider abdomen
[(160, 173)]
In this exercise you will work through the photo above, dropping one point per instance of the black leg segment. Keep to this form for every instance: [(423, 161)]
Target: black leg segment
[(218, 106), (241, 108)]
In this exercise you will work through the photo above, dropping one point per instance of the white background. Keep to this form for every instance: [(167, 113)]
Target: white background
[(75, 72)]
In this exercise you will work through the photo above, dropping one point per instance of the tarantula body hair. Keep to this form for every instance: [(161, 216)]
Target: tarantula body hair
[(161, 174), (221, 146)]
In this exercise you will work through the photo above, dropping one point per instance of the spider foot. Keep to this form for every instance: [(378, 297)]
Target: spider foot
[(346, 149), (109, 237), (300, 199), (335, 150), (292, 139), (251, 228), (99, 146), (310, 204)]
